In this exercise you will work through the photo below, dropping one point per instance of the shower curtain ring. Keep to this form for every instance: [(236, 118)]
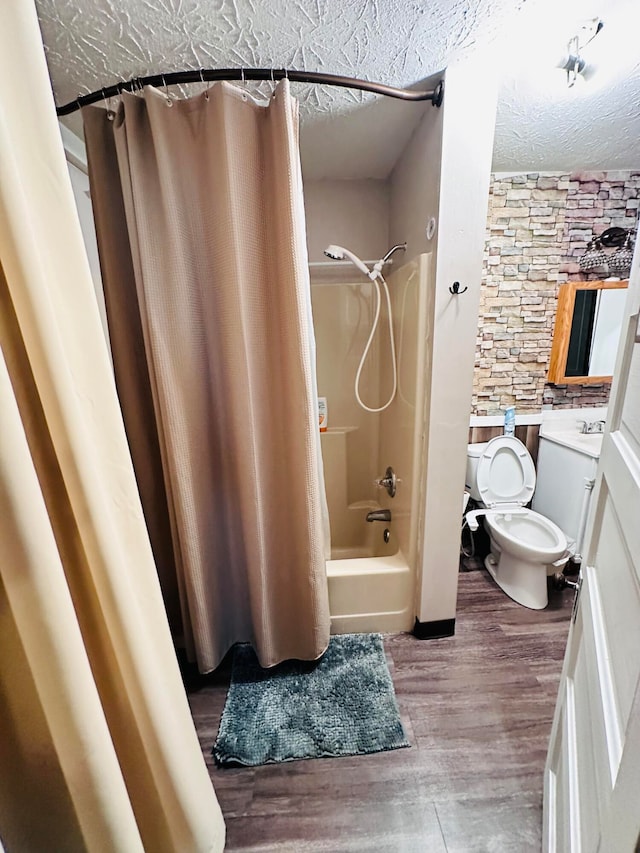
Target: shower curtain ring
[(206, 91), (110, 113), (166, 92), (243, 80)]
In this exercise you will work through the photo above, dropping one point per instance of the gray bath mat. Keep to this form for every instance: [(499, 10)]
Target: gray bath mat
[(342, 704)]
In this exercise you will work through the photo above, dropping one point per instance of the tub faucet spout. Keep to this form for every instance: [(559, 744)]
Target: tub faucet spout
[(379, 515)]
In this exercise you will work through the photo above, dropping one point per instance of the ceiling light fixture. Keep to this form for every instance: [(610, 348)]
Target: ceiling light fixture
[(574, 64)]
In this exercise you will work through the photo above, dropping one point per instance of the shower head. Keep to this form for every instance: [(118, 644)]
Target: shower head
[(338, 253), (334, 252)]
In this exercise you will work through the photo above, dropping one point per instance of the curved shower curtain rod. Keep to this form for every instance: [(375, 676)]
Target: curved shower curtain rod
[(204, 75)]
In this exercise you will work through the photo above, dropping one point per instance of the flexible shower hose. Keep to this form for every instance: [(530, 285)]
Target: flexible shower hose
[(368, 345)]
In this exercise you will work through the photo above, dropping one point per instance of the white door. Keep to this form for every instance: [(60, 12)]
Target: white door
[(592, 776)]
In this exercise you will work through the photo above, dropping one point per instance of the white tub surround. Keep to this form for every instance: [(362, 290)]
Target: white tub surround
[(372, 570), (370, 594)]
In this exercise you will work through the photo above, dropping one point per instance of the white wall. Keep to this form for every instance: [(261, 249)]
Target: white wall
[(467, 145), (444, 172), (80, 184), (77, 164), (353, 214), (415, 186)]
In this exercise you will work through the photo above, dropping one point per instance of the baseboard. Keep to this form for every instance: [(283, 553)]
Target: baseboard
[(435, 630)]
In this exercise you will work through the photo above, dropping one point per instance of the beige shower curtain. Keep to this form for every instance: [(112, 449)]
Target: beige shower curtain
[(97, 747), (200, 223)]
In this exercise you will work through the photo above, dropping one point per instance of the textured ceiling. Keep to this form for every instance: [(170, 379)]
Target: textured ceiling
[(544, 125), (347, 134)]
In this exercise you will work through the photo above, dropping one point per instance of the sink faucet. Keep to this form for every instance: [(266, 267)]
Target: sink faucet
[(589, 427), (379, 515)]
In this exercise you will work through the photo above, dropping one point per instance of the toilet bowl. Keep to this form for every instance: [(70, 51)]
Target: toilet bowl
[(525, 545)]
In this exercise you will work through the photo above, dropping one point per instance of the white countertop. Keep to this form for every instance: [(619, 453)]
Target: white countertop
[(556, 418), (588, 443)]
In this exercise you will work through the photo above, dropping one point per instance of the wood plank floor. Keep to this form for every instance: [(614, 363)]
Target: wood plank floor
[(477, 709)]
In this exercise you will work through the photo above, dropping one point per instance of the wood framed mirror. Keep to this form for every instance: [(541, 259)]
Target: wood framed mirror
[(586, 332)]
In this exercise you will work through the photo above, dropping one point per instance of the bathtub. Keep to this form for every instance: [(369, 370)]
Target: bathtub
[(370, 591)]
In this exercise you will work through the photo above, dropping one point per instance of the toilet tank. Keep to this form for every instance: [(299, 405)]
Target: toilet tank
[(474, 452)]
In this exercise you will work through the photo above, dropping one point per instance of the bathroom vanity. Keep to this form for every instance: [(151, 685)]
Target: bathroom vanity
[(566, 470)]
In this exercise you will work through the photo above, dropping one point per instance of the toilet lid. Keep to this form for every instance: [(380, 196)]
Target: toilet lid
[(506, 474)]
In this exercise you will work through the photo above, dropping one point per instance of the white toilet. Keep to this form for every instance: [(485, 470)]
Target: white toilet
[(524, 544)]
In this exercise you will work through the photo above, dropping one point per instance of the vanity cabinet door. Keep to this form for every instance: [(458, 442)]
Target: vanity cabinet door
[(564, 483)]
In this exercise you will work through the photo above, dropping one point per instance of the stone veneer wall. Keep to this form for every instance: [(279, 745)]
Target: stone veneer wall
[(538, 226)]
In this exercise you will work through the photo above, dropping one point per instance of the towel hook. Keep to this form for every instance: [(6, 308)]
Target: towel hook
[(455, 289)]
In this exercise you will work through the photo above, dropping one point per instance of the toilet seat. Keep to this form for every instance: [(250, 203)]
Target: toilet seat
[(506, 475), (525, 531)]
